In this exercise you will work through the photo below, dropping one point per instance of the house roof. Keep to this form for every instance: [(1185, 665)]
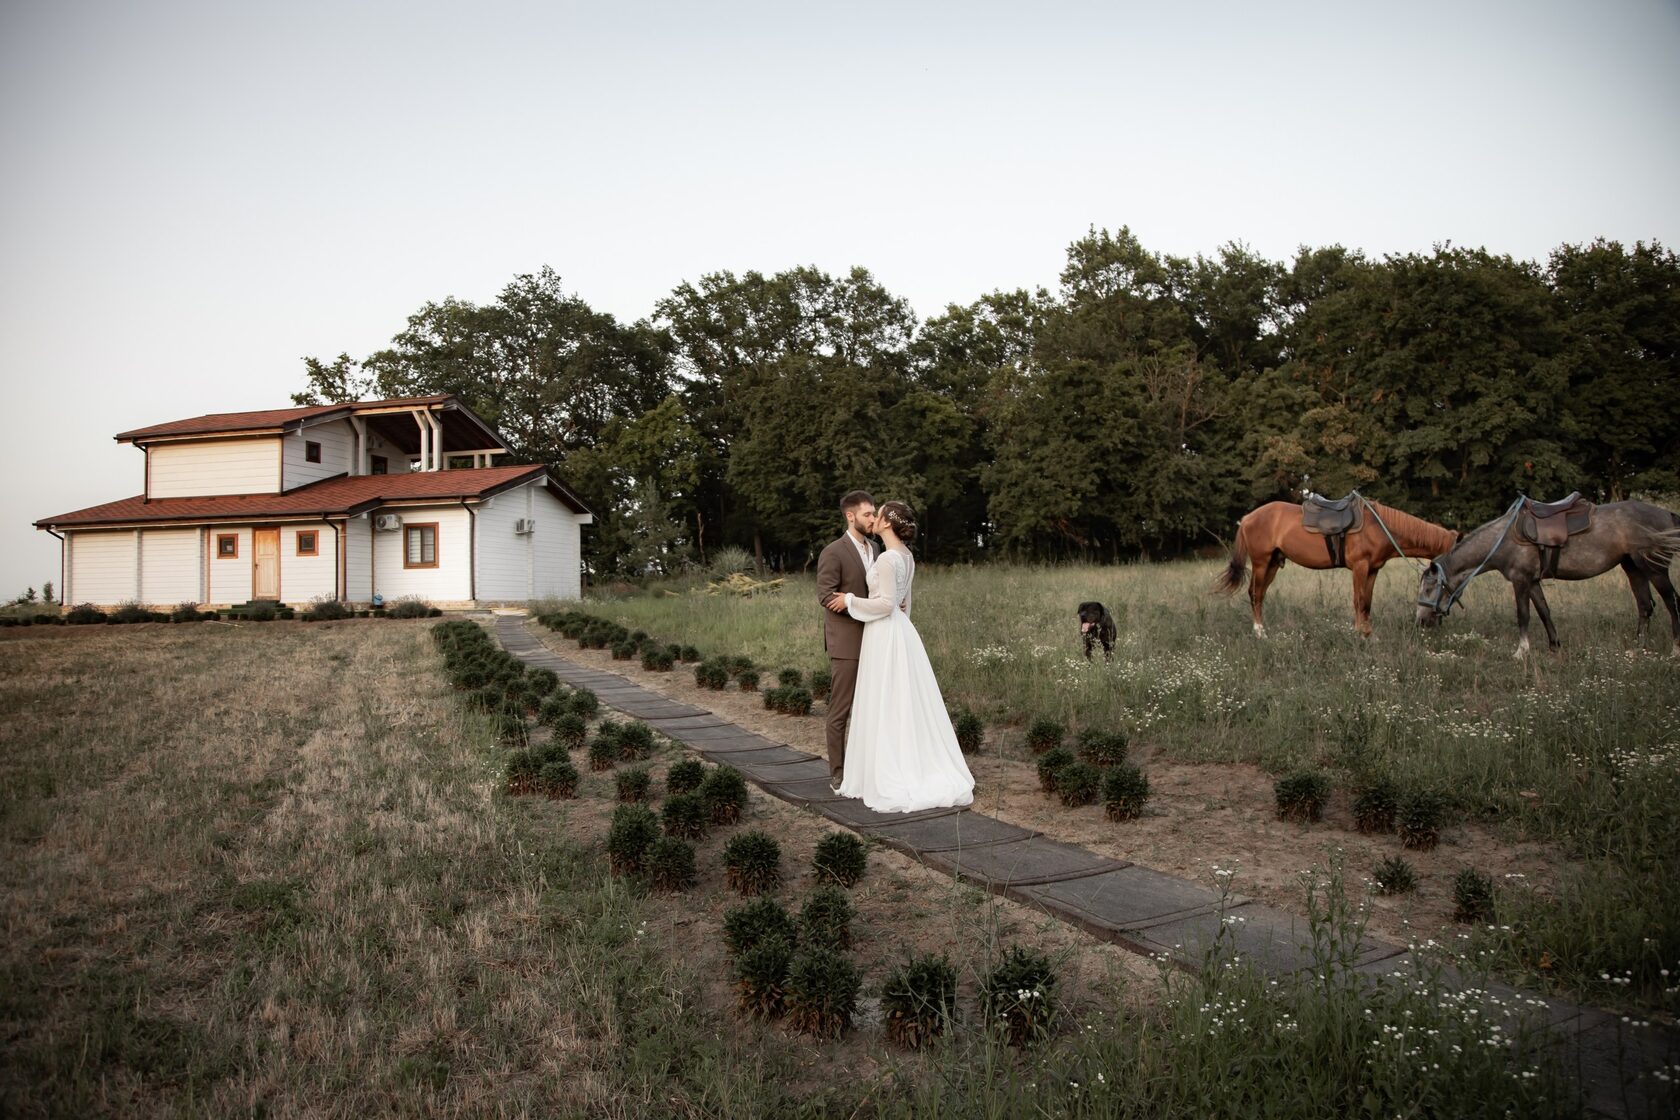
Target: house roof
[(336, 496), (267, 420)]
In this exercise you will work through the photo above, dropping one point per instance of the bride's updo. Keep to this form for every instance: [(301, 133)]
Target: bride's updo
[(903, 522)]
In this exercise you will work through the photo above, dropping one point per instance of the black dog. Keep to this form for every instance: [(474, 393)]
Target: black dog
[(1097, 625)]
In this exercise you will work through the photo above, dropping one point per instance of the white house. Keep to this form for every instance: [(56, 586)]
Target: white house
[(351, 501)]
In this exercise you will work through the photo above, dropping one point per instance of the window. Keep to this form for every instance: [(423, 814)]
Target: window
[(420, 546), (311, 451), (227, 546), (376, 464), (306, 539)]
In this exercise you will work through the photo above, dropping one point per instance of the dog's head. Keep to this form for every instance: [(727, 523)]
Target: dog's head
[(1090, 614)]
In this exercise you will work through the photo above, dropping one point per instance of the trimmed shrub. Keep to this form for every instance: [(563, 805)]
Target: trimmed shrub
[(917, 999), (790, 678), (675, 650), (409, 606), (585, 703), (633, 784), (635, 740), (1301, 796), (558, 779), (84, 614), (970, 729), (570, 731), (1472, 896), (775, 699), (1017, 997), (822, 683), (711, 674), (633, 829), (543, 682), (685, 775), (1418, 818), (658, 660), (510, 724), (796, 701), (841, 858), (752, 862), (669, 864), (826, 919), (753, 923), (638, 636), (624, 651), (1078, 783), (822, 991), (739, 665), (603, 752), (747, 679), (684, 815), (1394, 875), (521, 770), (1124, 792), (724, 792), (1103, 748), (761, 977), (1044, 735), (1374, 806), (688, 655), (129, 612), (1050, 765)]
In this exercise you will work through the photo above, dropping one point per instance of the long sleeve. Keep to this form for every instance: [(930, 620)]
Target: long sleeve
[(828, 576), (883, 602)]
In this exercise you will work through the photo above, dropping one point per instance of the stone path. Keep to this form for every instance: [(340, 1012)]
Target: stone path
[(1143, 910)]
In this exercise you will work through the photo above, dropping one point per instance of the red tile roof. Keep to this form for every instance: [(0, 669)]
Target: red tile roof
[(333, 496), (267, 420)]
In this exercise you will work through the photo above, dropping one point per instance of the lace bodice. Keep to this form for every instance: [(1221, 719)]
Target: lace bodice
[(889, 585)]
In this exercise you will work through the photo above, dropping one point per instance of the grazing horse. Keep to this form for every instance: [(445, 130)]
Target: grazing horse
[(1643, 539), (1274, 533)]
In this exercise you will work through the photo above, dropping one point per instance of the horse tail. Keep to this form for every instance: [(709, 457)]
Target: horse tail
[(1230, 581)]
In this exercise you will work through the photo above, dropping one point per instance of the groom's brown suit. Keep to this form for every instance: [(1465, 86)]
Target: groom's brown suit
[(840, 570)]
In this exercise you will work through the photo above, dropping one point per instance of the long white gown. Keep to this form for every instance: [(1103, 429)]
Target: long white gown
[(901, 752)]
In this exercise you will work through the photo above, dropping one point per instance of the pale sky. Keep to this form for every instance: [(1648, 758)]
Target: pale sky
[(196, 195)]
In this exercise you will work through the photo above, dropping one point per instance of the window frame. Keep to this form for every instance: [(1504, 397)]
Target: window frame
[(314, 536), (378, 464), (220, 537), (312, 451), (414, 527)]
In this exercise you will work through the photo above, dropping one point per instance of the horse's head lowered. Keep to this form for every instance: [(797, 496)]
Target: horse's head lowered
[(1434, 599)]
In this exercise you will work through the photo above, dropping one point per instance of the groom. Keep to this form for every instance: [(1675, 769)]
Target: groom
[(843, 568)]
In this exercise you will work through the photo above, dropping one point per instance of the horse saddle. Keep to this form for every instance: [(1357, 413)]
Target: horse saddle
[(1549, 525), (1333, 520)]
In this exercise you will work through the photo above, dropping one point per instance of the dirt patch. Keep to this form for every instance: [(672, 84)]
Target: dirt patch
[(1200, 816)]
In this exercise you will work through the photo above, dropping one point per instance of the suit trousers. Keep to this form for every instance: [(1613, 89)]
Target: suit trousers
[(840, 712)]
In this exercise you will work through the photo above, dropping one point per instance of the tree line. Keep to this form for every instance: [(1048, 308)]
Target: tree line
[(1139, 409)]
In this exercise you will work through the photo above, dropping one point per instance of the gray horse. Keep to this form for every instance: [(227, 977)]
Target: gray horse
[(1642, 538)]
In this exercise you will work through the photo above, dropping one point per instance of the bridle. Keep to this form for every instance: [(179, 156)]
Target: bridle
[(1439, 571)]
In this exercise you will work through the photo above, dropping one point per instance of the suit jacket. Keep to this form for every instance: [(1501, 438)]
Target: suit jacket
[(840, 569)]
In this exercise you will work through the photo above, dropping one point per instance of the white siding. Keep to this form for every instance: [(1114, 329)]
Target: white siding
[(102, 567), (171, 568), (303, 578), (357, 559), (449, 582), (396, 459), (226, 466), (338, 452), (230, 579), (518, 567)]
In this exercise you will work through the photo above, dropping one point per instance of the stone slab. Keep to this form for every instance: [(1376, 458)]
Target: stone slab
[(769, 757), (651, 709), (804, 792), (740, 741), (704, 721), (767, 772), (855, 814), (1022, 863), (1127, 898), (946, 832)]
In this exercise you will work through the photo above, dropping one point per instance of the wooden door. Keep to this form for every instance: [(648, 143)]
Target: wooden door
[(265, 564)]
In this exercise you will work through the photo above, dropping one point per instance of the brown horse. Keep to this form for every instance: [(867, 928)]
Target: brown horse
[(1273, 533)]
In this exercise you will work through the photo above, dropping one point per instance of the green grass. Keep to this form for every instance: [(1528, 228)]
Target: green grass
[(1580, 748)]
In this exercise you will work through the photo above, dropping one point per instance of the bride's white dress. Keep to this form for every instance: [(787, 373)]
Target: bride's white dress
[(901, 753)]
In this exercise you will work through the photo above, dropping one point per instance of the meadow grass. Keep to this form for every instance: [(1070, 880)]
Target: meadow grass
[(1580, 748), (271, 870)]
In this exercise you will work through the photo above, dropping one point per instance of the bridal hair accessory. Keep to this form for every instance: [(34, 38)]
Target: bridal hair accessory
[(903, 522)]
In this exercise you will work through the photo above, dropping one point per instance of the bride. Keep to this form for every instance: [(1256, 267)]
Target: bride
[(901, 753)]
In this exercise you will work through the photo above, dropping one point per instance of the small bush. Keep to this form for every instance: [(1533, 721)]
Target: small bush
[(1103, 748), (558, 779), (1044, 735), (510, 724), (84, 614), (712, 675), (128, 612), (635, 740), (826, 919), (669, 864), (1017, 996), (1125, 791), (1050, 765), (585, 703), (521, 770), (1301, 796), (685, 775), (684, 815), (1078, 783), (625, 651), (747, 679), (796, 701), (188, 612), (739, 665), (790, 678), (658, 660), (970, 730), (409, 606), (761, 977), (554, 706), (1394, 876), (775, 699), (1418, 817), (688, 655), (822, 683), (543, 682), (752, 862), (603, 752), (570, 731), (917, 999), (633, 783), (724, 792), (752, 923), (731, 559), (841, 858), (1374, 807), (822, 991), (633, 829), (1472, 896)]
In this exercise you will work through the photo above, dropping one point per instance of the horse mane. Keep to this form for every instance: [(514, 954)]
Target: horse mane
[(1409, 529)]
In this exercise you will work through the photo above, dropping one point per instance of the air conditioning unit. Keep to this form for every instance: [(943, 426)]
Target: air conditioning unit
[(387, 522), (525, 525)]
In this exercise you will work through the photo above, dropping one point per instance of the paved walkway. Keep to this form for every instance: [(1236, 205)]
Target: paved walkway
[(1143, 910)]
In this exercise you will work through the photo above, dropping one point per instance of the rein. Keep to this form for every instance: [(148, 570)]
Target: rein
[(1441, 581)]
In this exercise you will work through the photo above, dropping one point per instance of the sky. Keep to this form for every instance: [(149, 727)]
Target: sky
[(196, 196)]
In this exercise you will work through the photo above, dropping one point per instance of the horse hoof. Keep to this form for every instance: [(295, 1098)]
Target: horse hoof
[(1260, 632), (1522, 650)]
